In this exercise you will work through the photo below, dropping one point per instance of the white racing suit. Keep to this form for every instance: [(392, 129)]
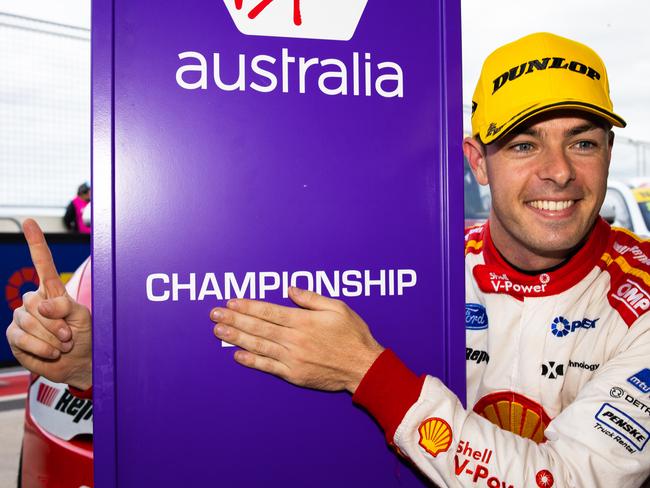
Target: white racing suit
[(558, 375)]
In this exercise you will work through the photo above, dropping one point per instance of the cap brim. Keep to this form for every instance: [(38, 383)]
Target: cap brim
[(525, 115)]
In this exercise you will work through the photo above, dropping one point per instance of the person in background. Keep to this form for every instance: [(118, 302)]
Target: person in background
[(86, 215), (73, 218)]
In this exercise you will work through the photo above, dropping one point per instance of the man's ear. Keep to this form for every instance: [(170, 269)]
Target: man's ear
[(610, 146), (475, 153)]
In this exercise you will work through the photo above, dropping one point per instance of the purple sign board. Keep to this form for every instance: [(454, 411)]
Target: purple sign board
[(241, 147)]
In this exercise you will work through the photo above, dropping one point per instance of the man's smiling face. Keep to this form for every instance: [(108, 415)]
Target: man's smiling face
[(548, 181)]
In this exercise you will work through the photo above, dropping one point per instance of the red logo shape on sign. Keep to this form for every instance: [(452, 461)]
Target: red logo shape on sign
[(297, 17), (335, 20), (16, 281)]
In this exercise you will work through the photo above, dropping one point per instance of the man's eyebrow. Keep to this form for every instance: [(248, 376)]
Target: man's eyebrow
[(573, 131), (527, 131), (586, 127)]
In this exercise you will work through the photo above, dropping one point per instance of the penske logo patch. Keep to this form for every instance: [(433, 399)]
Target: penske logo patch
[(622, 428)]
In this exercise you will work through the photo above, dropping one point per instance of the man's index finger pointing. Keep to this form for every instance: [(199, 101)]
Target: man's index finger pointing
[(42, 259)]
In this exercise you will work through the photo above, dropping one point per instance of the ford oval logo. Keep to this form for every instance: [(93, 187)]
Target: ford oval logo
[(475, 317)]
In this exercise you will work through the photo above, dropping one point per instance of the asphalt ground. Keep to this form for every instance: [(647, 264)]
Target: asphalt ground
[(13, 390), (11, 433)]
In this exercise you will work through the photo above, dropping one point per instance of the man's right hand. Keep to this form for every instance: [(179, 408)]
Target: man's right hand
[(51, 333)]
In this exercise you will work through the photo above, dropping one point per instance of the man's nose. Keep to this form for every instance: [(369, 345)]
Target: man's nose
[(557, 167)]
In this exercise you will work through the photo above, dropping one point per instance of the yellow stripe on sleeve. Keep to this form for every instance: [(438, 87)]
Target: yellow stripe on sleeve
[(626, 267)]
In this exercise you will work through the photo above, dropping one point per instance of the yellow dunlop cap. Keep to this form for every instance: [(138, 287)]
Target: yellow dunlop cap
[(535, 74)]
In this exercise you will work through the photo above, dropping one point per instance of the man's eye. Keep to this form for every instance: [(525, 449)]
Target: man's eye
[(585, 145), (522, 147)]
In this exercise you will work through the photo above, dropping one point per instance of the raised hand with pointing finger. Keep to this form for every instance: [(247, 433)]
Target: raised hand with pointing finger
[(50, 334)]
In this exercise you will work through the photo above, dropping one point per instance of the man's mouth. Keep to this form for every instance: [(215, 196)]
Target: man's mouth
[(552, 205)]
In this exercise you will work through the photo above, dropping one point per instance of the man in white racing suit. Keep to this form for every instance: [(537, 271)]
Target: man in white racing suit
[(558, 338), (556, 372)]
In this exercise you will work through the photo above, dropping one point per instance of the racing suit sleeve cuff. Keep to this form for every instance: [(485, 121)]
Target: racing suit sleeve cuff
[(388, 389), (83, 394)]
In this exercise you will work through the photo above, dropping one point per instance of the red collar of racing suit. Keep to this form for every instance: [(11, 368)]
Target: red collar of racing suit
[(497, 276)]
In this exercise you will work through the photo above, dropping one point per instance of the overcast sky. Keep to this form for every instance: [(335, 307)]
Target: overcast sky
[(71, 12), (617, 30)]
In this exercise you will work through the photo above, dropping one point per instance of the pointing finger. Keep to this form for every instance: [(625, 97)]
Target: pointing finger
[(42, 259), (54, 287)]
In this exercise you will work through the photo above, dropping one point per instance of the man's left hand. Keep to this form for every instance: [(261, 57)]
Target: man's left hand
[(324, 345)]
